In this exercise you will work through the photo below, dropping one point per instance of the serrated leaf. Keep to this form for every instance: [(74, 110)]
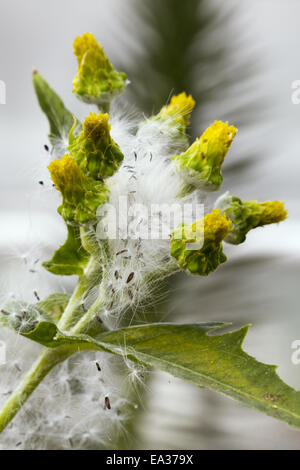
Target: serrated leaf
[(216, 362), (60, 118), (71, 257)]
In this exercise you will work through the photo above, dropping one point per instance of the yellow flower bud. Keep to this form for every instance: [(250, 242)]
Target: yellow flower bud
[(198, 247), (94, 150), (67, 177), (200, 166), (179, 110), (81, 195), (96, 81), (247, 215)]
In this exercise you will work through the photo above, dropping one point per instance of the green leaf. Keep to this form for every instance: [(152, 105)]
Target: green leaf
[(54, 305), (48, 334), (71, 257), (216, 362), (60, 118), (44, 333)]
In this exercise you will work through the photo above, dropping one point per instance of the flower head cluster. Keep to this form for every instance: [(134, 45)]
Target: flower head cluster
[(142, 176)]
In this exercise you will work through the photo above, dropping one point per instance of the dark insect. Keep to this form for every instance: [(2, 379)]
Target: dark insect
[(18, 444), (5, 312), (117, 274), (98, 319), (41, 183), (46, 148), (130, 294), (21, 317), (120, 252), (107, 403), (135, 156), (36, 295), (98, 366), (130, 277)]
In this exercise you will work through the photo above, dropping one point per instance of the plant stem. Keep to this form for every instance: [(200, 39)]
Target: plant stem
[(104, 107), (71, 322), (86, 324), (51, 357), (85, 283), (46, 361)]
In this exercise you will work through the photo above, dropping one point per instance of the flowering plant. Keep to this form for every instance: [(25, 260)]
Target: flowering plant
[(121, 182)]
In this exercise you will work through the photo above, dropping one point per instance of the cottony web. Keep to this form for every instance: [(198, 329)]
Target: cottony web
[(109, 157)]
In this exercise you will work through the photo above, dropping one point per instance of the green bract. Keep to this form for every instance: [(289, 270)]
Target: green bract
[(60, 119), (94, 150)]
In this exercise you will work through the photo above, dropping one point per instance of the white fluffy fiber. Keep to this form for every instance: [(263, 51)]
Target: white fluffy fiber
[(68, 408)]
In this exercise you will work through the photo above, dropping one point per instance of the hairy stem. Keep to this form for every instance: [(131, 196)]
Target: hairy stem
[(71, 321), (86, 282), (88, 323), (51, 357), (46, 361)]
